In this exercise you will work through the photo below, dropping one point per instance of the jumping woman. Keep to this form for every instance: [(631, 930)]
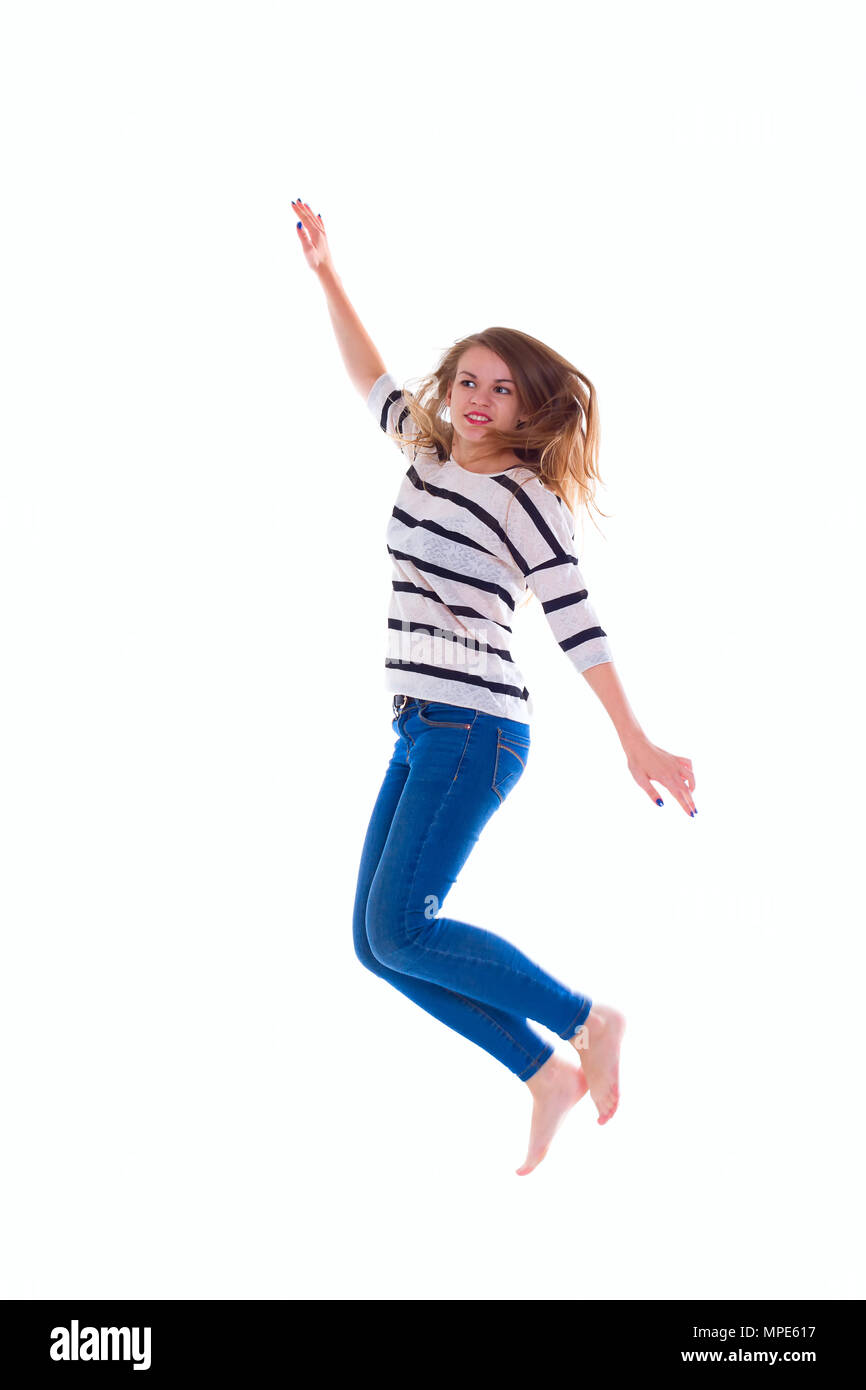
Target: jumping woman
[(482, 521)]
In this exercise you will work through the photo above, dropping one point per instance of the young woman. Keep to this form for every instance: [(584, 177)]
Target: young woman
[(482, 519)]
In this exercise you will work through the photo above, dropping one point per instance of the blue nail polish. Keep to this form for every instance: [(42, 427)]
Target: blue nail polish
[(659, 801), (299, 224), (691, 813)]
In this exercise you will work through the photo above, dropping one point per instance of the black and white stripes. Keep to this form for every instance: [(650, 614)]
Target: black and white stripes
[(462, 559)]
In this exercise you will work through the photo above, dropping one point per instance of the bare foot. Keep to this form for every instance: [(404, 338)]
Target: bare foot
[(597, 1044), (555, 1087)]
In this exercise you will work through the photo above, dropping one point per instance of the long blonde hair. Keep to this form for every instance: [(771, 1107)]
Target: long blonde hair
[(558, 439)]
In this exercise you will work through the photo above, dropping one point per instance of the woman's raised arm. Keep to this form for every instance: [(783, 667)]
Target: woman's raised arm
[(359, 353)]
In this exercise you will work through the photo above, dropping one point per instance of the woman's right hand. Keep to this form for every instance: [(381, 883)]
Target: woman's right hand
[(311, 235)]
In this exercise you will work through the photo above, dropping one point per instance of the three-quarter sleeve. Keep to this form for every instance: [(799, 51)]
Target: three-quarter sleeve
[(387, 404), (545, 552)]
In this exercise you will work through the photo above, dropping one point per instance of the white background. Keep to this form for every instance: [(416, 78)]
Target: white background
[(203, 1092)]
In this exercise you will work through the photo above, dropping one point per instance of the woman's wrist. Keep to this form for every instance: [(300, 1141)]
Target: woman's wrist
[(631, 736), (328, 277)]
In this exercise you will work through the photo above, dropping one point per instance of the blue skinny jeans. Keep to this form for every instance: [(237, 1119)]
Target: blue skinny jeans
[(451, 768)]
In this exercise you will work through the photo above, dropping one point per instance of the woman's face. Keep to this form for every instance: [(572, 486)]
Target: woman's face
[(482, 386)]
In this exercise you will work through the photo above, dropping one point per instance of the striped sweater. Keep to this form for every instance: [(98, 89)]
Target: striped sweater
[(465, 547)]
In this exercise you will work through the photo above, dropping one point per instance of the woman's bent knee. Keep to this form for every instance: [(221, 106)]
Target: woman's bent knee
[(392, 930)]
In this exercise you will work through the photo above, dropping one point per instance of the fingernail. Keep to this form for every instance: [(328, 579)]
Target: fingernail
[(691, 813), (299, 224), (659, 801)]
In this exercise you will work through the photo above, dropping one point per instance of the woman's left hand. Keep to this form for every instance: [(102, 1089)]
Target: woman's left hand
[(647, 764)]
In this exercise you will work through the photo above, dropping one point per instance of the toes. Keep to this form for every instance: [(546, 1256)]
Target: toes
[(608, 1107), (529, 1166), (532, 1161)]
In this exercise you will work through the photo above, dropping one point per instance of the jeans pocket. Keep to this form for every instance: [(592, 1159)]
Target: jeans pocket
[(446, 716), (511, 755)]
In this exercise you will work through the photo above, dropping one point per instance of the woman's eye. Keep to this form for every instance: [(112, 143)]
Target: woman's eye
[(468, 382)]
